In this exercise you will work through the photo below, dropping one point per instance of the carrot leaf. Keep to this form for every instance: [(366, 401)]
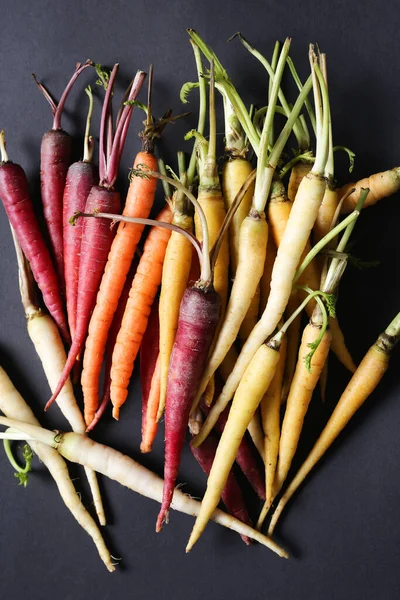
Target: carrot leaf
[(21, 473)]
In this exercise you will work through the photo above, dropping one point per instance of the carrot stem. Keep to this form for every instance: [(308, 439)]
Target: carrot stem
[(88, 144), (202, 110)]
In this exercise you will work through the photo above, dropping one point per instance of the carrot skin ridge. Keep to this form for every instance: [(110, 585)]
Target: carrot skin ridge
[(97, 236), (232, 495), (80, 179), (55, 159), (198, 318), (14, 192)]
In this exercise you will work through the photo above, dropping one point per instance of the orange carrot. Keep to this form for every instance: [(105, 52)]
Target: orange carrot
[(141, 297)]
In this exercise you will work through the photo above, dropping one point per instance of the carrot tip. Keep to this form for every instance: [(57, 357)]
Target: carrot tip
[(144, 448), (115, 413)]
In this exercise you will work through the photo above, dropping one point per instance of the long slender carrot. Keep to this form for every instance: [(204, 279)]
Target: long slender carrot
[(14, 193), (362, 384), (141, 297), (252, 387)]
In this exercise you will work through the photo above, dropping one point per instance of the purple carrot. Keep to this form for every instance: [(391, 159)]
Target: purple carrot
[(149, 351), (232, 495), (97, 235), (81, 177), (14, 192), (198, 318), (112, 336), (246, 457), (55, 158)]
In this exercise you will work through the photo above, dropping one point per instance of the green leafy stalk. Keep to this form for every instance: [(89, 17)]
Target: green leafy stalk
[(307, 102), (191, 172), (21, 473), (314, 345)]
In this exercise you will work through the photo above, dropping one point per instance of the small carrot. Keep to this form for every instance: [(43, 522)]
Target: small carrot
[(150, 378), (381, 185), (362, 384), (175, 277), (270, 414), (55, 158), (14, 192), (112, 336), (265, 281), (80, 179), (297, 174), (134, 322)]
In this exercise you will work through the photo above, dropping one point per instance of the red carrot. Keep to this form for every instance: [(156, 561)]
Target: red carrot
[(55, 158), (81, 177), (232, 495), (97, 235), (149, 351), (14, 192), (112, 336), (198, 318)]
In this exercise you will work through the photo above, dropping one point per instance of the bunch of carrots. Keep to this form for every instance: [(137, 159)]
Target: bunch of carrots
[(211, 295)]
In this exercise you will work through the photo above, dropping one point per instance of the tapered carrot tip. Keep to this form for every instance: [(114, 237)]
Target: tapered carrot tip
[(115, 413), (162, 516), (144, 448)]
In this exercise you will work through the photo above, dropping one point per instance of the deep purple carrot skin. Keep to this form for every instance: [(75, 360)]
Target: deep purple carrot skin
[(14, 192), (112, 337), (81, 177), (246, 456), (232, 495), (198, 318), (149, 351), (97, 237), (55, 159)]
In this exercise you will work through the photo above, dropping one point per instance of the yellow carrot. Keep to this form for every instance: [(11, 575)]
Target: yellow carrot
[(362, 384), (265, 282), (381, 185), (253, 386), (270, 414), (299, 398), (298, 172)]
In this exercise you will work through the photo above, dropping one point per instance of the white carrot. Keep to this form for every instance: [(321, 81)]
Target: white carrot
[(14, 406), (48, 344), (111, 463)]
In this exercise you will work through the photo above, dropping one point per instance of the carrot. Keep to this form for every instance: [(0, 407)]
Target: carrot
[(150, 378), (246, 457), (112, 337), (175, 277), (270, 414), (13, 405), (14, 193), (55, 158), (232, 495), (293, 342), (301, 390), (48, 344), (297, 174), (252, 387), (134, 322), (362, 384), (316, 336), (211, 200), (80, 179), (381, 185), (296, 234), (139, 202), (111, 463)]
